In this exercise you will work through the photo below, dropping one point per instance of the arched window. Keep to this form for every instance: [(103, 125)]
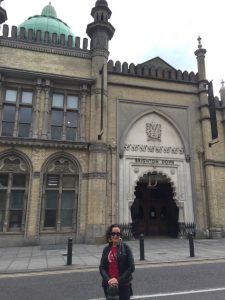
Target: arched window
[(14, 179), (60, 195)]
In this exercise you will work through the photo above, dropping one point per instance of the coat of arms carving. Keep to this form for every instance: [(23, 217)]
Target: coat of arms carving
[(153, 131)]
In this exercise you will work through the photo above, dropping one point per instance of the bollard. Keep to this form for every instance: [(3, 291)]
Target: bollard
[(69, 251), (191, 245), (142, 247)]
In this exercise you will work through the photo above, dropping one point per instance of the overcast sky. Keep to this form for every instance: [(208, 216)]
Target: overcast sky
[(147, 28)]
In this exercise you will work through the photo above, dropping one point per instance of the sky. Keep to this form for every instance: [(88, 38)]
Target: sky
[(146, 29)]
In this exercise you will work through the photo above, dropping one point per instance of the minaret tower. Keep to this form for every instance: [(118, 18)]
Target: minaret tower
[(100, 32), (3, 14), (215, 229), (222, 97)]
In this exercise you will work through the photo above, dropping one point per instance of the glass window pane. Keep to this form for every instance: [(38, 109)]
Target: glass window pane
[(2, 216), (66, 218), (51, 199), (67, 199), (57, 118), (15, 219), (71, 119), (71, 134), (57, 100), (25, 114), (9, 113), (72, 102), (24, 130), (17, 198), (52, 180), (50, 218), (19, 180), (27, 97), (68, 181), (7, 129), (2, 200), (10, 95), (56, 133), (3, 180)]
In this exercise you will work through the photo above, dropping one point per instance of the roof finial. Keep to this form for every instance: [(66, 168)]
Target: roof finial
[(222, 87), (199, 42)]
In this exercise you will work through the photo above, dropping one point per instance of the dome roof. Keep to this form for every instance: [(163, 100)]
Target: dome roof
[(47, 21)]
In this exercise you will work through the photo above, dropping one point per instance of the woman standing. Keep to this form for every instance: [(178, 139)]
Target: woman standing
[(117, 264)]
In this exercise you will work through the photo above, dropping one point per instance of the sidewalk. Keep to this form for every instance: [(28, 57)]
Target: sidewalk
[(157, 251)]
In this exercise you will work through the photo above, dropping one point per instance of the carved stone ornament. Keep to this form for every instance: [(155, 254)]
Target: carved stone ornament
[(62, 165), (12, 163), (153, 149), (153, 131)]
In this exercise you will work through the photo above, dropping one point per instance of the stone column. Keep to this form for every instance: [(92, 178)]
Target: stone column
[(32, 223), (222, 95), (16, 121), (215, 228), (37, 110), (97, 193), (84, 91), (46, 110)]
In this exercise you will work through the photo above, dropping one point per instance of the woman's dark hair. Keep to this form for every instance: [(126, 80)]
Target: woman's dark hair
[(109, 230)]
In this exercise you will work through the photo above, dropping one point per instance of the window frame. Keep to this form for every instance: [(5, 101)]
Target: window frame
[(65, 109), (60, 189), (17, 104), (8, 211)]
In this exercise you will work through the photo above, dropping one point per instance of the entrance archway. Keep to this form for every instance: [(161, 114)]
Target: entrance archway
[(154, 212)]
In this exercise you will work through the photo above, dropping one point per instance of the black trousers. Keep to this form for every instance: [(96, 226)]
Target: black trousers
[(125, 291)]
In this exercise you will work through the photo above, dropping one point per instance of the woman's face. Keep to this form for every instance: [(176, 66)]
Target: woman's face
[(115, 235)]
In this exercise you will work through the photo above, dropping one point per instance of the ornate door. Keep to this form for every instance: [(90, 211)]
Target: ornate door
[(154, 212)]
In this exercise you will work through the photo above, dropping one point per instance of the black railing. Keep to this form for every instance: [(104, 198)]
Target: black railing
[(127, 230), (187, 228), (130, 232)]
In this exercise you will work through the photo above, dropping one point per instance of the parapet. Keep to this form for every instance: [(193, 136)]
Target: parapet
[(43, 38), (152, 72)]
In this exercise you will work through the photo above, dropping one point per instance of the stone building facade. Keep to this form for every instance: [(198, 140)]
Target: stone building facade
[(85, 142)]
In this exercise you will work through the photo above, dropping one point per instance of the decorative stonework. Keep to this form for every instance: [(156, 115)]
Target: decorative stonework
[(94, 175), (38, 143), (63, 166), (98, 147), (166, 162), (12, 163), (153, 131), (153, 149)]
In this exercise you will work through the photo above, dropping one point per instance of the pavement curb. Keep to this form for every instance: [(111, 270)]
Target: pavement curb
[(139, 264)]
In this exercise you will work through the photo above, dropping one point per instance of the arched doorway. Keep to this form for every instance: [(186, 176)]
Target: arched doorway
[(154, 212)]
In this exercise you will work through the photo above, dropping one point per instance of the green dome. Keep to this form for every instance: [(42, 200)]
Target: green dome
[(47, 21)]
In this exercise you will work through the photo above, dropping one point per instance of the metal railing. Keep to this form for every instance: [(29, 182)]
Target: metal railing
[(185, 229), (127, 230)]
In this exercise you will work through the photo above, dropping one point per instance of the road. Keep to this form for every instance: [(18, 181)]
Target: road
[(196, 281)]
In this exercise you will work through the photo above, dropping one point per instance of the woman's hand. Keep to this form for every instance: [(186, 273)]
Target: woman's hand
[(113, 282)]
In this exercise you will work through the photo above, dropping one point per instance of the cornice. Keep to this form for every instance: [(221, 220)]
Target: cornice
[(34, 74), (10, 141), (214, 163), (94, 175), (98, 147), (52, 49)]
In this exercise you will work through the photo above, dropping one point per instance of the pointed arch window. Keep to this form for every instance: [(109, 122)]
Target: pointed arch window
[(60, 195), (14, 179)]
